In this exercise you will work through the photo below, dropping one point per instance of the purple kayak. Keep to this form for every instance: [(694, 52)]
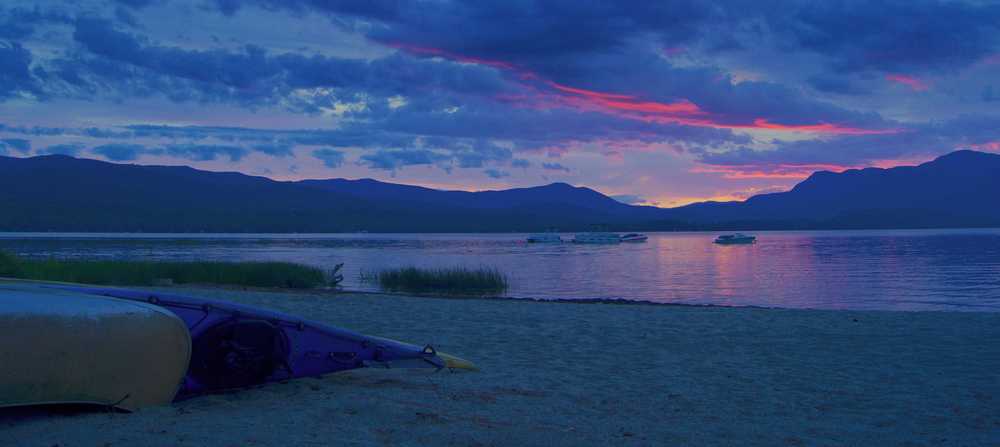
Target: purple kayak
[(237, 346)]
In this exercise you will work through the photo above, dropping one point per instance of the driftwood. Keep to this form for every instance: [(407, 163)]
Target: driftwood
[(335, 276)]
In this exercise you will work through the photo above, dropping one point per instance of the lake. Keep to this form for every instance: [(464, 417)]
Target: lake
[(888, 270)]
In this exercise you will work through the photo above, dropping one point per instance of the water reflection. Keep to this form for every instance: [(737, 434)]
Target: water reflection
[(926, 269)]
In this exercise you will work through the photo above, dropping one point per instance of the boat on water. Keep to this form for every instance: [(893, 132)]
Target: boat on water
[(149, 348), (737, 238), (634, 237), (544, 238), (597, 237)]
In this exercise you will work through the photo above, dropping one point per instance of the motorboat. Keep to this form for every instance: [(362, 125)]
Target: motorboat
[(737, 238), (634, 237), (544, 238), (597, 237)]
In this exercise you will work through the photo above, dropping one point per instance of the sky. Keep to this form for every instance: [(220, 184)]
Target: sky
[(660, 103)]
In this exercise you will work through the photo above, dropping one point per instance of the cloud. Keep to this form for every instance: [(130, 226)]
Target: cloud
[(119, 151), (331, 158), (630, 199), (496, 173), (555, 167), (893, 36), (205, 152), (15, 76), (912, 82), (275, 149), (747, 91), (391, 160), (72, 149), (795, 159), (137, 4), (16, 144)]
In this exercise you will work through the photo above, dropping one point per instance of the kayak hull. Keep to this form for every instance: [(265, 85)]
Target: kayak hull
[(236, 346), (61, 347)]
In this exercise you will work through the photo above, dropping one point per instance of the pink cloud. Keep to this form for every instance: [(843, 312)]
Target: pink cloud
[(745, 172), (830, 128), (992, 146), (992, 59), (674, 51), (909, 81), (546, 94)]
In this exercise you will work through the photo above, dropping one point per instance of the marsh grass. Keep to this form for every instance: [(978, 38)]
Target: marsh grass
[(458, 281), (149, 273)]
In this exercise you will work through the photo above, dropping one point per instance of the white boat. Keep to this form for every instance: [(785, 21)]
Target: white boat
[(634, 237), (597, 237), (544, 238), (738, 238)]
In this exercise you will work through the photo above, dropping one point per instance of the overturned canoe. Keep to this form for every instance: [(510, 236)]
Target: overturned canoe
[(58, 346), (236, 346)]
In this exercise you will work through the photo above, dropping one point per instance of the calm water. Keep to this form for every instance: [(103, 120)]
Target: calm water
[(905, 269)]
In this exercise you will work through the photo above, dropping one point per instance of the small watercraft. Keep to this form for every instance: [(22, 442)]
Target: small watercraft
[(597, 237), (230, 346), (738, 238), (237, 346), (634, 237), (63, 347), (544, 238)]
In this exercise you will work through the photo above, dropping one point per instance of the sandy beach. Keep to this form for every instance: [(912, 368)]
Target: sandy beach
[(595, 374)]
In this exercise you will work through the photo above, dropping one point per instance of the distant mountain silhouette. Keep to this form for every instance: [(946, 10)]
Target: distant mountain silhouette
[(61, 193), (955, 190)]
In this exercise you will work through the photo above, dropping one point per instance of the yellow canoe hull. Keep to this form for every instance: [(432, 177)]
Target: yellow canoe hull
[(64, 347)]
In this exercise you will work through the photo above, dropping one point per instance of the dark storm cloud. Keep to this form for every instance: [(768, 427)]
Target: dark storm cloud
[(854, 35), (515, 28), (893, 35)]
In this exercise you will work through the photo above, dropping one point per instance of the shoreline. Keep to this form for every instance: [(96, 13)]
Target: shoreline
[(193, 288), (251, 235), (604, 375)]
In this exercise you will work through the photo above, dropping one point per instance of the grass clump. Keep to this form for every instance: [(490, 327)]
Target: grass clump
[(449, 281), (150, 273)]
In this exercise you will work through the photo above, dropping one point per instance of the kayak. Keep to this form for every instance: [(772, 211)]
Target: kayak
[(236, 346), (62, 347)]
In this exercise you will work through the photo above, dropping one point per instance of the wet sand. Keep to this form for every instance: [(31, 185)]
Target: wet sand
[(558, 374)]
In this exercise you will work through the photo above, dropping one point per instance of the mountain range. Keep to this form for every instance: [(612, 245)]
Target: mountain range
[(62, 193)]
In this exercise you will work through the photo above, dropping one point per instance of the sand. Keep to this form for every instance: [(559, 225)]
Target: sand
[(557, 374)]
